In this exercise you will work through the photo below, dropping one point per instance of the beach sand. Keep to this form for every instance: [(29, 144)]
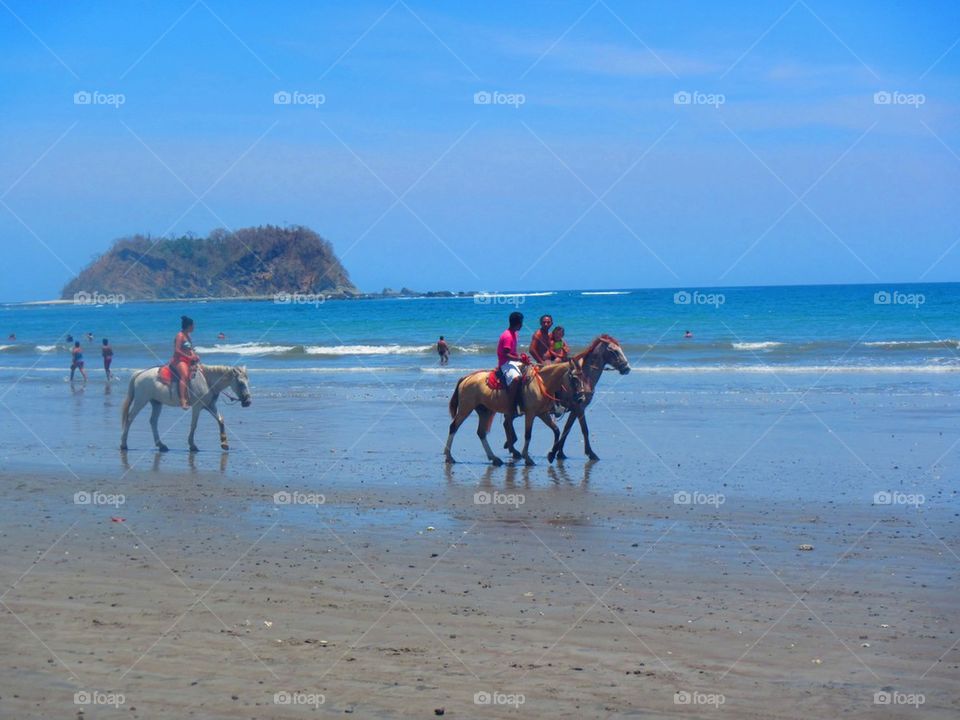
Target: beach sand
[(208, 599)]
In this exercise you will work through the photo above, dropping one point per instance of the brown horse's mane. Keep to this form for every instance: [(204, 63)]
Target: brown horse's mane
[(593, 346)]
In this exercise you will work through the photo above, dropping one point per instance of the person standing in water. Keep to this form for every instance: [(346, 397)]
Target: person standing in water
[(107, 353), (184, 356), (443, 350), (76, 361)]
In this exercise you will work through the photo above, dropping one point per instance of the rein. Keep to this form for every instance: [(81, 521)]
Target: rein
[(223, 392)]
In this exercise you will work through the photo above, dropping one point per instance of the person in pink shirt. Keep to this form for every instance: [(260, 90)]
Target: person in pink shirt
[(509, 362)]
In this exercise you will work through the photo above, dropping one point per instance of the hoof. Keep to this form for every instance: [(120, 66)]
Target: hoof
[(449, 460), (529, 462), (123, 448), (162, 448), (496, 462), (516, 454), (224, 446), (551, 457), (194, 448), (593, 457), (561, 456)]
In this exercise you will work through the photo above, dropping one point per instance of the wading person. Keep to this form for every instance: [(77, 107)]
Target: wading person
[(76, 361), (443, 349), (107, 353)]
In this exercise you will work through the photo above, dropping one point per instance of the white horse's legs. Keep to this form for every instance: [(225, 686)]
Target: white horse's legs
[(135, 407), (193, 428), (212, 408), (156, 406)]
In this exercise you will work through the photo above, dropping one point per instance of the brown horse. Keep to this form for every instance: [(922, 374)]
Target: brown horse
[(603, 351), (539, 394)]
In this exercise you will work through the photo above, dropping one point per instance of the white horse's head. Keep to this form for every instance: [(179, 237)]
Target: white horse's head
[(241, 384)]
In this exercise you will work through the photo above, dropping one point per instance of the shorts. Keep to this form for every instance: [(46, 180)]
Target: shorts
[(511, 371)]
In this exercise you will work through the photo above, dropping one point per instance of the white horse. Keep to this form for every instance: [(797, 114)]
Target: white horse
[(204, 389)]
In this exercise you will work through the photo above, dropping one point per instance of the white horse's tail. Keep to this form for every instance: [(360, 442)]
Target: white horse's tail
[(125, 410)]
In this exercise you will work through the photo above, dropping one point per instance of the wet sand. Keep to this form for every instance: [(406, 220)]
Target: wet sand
[(211, 600)]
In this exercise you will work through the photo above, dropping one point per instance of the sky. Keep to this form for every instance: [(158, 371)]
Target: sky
[(491, 146)]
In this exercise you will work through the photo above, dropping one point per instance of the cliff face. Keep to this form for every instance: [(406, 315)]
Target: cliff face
[(254, 261)]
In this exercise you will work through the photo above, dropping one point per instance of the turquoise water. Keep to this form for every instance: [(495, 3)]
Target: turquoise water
[(735, 330)]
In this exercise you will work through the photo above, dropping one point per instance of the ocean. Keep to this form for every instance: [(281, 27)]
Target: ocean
[(858, 329)]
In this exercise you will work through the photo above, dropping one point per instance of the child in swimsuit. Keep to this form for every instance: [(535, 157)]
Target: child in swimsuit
[(76, 363)]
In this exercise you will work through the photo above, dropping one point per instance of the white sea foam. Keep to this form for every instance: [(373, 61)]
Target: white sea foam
[(606, 292), (756, 345), (244, 349), (366, 349), (948, 343), (43, 348)]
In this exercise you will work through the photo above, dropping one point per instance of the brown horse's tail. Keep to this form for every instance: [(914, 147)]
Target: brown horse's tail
[(455, 398), (125, 410)]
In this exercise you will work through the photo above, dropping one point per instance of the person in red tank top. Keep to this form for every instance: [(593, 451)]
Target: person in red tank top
[(183, 357)]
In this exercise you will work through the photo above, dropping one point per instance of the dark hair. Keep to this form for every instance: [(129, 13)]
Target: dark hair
[(106, 342), (441, 337), (185, 322), (546, 315), (558, 328), (76, 343), (516, 318)]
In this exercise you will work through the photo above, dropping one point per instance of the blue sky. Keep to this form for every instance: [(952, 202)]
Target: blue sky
[(587, 170)]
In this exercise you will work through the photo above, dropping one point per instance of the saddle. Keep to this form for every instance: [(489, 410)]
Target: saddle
[(495, 379), (169, 376)]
